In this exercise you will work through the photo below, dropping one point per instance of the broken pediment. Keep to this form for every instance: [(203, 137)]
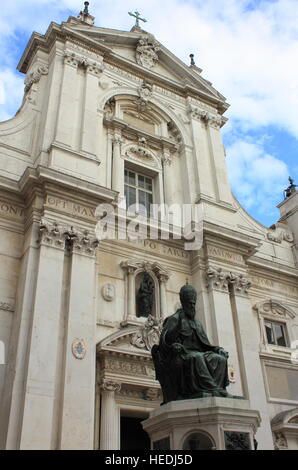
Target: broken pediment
[(134, 340)]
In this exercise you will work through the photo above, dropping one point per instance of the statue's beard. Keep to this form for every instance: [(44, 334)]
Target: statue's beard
[(190, 312)]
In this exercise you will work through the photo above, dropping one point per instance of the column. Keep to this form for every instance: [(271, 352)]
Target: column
[(163, 278), (130, 267), (222, 321), (109, 426), (118, 166), (39, 397), (248, 338), (78, 413)]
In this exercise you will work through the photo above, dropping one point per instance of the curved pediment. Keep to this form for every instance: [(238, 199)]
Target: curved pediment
[(134, 339), (274, 308)]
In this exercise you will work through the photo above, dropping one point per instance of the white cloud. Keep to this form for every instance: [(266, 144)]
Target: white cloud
[(258, 178)]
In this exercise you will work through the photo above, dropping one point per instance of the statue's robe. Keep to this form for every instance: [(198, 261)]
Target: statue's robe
[(198, 369)]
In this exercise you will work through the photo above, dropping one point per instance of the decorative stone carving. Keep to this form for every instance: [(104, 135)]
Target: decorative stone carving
[(240, 283), (75, 60), (146, 53), (196, 113), (125, 367), (277, 235), (136, 393), (110, 386), (140, 153), (213, 120), (35, 75), (145, 266), (148, 334), (83, 243), (280, 442), (152, 394), (174, 134), (79, 349), (270, 307), (237, 440), (217, 279), (109, 109), (7, 307), (220, 280), (145, 94), (51, 234), (108, 292)]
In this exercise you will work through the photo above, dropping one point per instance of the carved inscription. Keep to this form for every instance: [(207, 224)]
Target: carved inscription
[(224, 254), (264, 283), (11, 210), (152, 245), (71, 208)]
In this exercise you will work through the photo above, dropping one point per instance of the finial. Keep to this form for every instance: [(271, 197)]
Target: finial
[(86, 11), (291, 189), (138, 18), (192, 60), (85, 16), (187, 281)]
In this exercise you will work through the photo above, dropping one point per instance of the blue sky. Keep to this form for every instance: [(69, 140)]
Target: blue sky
[(248, 49)]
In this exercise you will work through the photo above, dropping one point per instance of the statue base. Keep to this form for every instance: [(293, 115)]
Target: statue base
[(210, 423)]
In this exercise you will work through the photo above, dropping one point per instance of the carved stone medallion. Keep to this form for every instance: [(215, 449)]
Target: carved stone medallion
[(108, 292), (79, 349)]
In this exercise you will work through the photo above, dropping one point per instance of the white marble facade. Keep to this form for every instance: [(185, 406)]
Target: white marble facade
[(97, 102)]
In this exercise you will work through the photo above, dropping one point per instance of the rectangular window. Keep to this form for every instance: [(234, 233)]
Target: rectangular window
[(139, 191), (275, 333)]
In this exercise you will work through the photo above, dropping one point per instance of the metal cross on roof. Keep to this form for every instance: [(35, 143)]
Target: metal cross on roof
[(138, 18)]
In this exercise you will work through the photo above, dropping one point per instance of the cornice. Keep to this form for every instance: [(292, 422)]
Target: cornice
[(65, 32), (42, 175), (247, 245), (256, 263)]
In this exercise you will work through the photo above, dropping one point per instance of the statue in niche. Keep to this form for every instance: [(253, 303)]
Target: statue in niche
[(145, 297), (186, 364)]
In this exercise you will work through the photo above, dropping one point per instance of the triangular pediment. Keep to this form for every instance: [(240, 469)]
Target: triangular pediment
[(121, 47)]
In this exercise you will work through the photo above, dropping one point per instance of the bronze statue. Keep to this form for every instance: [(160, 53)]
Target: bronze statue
[(291, 189), (145, 297), (187, 365)]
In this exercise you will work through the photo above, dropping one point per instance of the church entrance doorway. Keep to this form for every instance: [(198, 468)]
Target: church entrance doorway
[(133, 437)]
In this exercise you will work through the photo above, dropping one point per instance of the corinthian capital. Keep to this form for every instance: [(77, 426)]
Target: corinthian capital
[(110, 386), (83, 243), (51, 234), (239, 283), (217, 279)]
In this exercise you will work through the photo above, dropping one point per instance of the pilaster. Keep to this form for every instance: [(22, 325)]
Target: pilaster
[(77, 421), (36, 430)]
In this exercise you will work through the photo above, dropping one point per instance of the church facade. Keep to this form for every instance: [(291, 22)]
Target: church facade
[(112, 118)]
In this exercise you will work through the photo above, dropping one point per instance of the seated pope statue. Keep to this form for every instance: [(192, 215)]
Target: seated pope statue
[(186, 364)]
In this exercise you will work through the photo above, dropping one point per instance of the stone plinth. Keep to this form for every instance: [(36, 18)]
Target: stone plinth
[(216, 423)]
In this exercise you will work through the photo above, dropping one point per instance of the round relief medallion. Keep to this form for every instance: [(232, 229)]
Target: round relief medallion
[(79, 349), (108, 292)]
